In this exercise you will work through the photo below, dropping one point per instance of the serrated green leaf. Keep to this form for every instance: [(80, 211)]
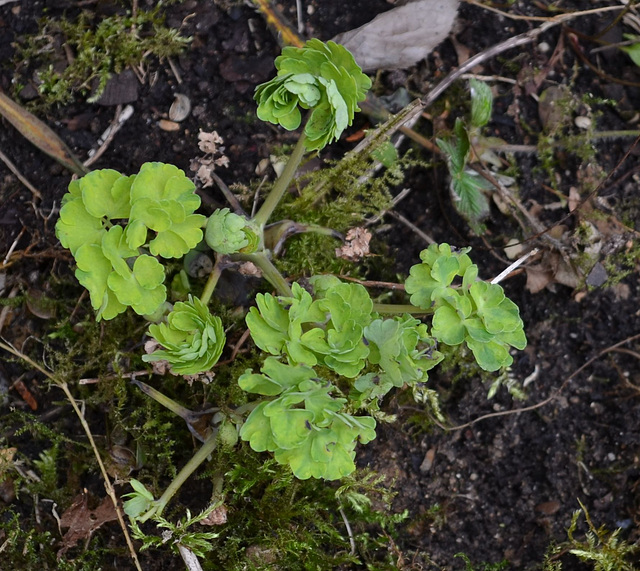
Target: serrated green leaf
[(468, 198), (481, 103)]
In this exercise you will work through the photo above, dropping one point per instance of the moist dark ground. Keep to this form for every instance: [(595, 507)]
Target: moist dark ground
[(506, 486)]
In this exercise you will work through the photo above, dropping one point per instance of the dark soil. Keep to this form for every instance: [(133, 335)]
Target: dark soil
[(504, 487)]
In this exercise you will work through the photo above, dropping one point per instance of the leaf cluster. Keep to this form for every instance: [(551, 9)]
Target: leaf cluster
[(321, 77), (117, 263), (476, 312), (332, 335)]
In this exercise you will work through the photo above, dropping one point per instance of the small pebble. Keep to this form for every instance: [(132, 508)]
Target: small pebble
[(583, 122), (167, 125)]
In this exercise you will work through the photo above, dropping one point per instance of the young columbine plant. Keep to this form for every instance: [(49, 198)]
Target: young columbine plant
[(330, 353)]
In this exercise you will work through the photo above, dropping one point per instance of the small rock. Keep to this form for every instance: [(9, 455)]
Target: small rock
[(167, 125), (180, 108), (582, 122)]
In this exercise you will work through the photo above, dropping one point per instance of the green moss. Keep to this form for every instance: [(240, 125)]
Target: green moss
[(100, 48)]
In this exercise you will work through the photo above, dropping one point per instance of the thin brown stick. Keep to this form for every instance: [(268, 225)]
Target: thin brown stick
[(107, 482), (36, 193)]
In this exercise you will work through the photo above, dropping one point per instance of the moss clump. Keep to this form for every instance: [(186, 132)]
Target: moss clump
[(98, 48)]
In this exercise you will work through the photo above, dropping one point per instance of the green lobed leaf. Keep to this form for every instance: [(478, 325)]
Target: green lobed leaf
[(163, 200), (93, 271), (141, 287), (322, 77)]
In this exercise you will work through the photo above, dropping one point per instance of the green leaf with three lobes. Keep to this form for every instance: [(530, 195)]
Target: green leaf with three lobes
[(322, 77), (193, 338), (432, 279), (163, 200)]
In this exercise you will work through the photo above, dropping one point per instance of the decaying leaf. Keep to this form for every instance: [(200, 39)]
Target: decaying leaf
[(552, 269), (82, 521), (39, 134), (402, 36)]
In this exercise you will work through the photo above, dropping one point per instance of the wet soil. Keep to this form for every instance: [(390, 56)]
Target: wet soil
[(505, 485)]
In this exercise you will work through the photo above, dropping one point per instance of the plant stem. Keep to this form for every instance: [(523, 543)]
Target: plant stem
[(212, 282), (281, 185), (269, 271), (394, 308), (198, 458)]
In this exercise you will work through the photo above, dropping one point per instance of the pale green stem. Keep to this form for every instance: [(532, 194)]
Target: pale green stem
[(392, 309), (281, 185), (269, 271), (198, 458), (212, 282)]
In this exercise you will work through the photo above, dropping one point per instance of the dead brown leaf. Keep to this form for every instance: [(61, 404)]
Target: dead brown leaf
[(82, 521)]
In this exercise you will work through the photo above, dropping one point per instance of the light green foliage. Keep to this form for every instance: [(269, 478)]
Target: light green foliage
[(604, 549), (199, 542), (403, 349), (481, 103), (600, 549), (304, 425), (229, 233), (321, 77), (139, 501), (192, 338), (328, 330), (633, 51), (114, 261), (163, 199), (475, 312), (308, 424)]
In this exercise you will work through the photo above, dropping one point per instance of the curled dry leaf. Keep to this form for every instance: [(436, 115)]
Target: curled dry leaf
[(402, 36), (356, 245)]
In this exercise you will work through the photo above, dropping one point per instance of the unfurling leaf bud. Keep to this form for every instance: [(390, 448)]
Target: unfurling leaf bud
[(192, 338), (229, 233)]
